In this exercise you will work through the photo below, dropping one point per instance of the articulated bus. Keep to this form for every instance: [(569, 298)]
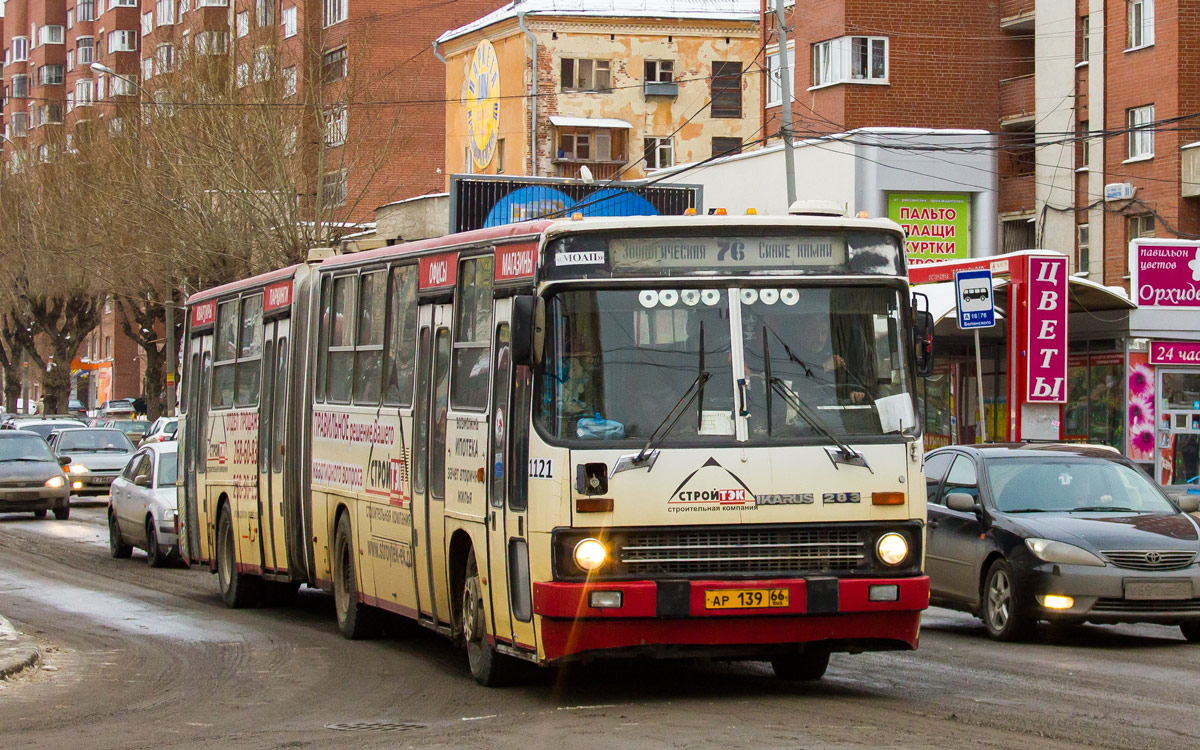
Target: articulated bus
[(557, 440)]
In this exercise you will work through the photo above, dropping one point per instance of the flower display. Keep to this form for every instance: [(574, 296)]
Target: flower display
[(1141, 382), (1143, 442)]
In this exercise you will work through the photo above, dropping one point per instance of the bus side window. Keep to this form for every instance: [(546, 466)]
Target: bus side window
[(401, 337), (519, 439), (437, 444), (501, 386), (250, 344), (421, 416), (341, 341), (368, 357), (323, 340), (472, 334), (224, 355)]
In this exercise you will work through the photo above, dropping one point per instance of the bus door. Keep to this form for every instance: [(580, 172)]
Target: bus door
[(422, 554), (188, 457), (271, 415), (435, 496), (201, 438)]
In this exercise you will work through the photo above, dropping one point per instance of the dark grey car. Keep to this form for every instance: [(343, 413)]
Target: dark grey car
[(98, 455), (1021, 532), (31, 478)]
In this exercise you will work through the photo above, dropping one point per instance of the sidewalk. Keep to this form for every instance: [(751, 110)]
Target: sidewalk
[(16, 651)]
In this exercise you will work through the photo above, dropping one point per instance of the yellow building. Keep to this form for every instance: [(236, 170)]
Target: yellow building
[(621, 87)]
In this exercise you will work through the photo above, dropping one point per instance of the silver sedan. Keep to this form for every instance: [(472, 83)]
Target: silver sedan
[(142, 510)]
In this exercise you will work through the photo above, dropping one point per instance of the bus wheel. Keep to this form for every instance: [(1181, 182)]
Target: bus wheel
[(355, 619), (808, 664), (237, 589), (488, 667)]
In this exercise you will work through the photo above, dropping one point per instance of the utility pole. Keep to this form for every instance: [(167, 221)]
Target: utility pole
[(786, 84), (169, 324)]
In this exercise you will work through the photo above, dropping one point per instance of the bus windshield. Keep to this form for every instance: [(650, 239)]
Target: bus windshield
[(816, 361)]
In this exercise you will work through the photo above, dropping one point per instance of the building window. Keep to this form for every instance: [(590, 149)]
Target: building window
[(147, 24), (722, 146), (575, 147), (243, 23), (1137, 227), (581, 74), (335, 126), (726, 89), (774, 83), (70, 18), (50, 75), (499, 156), (147, 67), (85, 10), (850, 59), (212, 42), (50, 35), (242, 74), (659, 153), (1082, 260), (120, 4), (70, 102), (289, 22), (334, 12), (20, 124), (20, 49), (212, 3), (262, 64), (333, 65), (20, 86), (1018, 234), (124, 86), (70, 60), (289, 81), (122, 41), (164, 11), (1141, 131), (592, 145), (184, 7), (85, 50), (1085, 38), (333, 188), (83, 93), (1141, 23), (100, 88), (660, 71), (264, 13), (164, 58)]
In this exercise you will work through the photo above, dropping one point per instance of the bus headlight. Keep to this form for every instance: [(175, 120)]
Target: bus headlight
[(892, 548), (590, 554)]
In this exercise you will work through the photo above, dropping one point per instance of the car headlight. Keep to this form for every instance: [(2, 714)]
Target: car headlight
[(78, 469), (55, 482), (1050, 551), (892, 548), (590, 554)]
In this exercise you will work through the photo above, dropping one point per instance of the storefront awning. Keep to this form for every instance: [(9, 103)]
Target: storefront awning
[(1085, 296), (559, 121)]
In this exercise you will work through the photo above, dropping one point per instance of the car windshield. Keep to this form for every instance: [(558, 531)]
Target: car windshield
[(24, 448), (168, 470), (94, 441), (1072, 485), (45, 428), (129, 425), (816, 359)]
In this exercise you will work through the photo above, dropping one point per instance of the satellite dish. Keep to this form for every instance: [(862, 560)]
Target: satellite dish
[(586, 174)]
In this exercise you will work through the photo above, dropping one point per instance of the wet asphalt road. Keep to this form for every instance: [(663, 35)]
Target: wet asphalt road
[(138, 658)]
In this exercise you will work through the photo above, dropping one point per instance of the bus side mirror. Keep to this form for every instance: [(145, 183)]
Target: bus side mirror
[(922, 334), (528, 329)]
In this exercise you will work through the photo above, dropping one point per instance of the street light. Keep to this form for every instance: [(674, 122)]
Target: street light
[(169, 307)]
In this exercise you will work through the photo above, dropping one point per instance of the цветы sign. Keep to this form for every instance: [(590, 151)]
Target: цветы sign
[(1047, 355), (1165, 274)]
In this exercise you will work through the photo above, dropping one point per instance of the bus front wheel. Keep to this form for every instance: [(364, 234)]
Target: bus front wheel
[(489, 667), (355, 619), (809, 664), (238, 589)]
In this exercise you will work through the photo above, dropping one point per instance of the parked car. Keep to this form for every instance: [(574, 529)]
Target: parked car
[(44, 425), (142, 508), (117, 407), (1067, 533), (31, 478), (134, 429), (98, 454), (161, 430)]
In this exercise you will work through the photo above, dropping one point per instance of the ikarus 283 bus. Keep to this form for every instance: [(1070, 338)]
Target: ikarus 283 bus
[(688, 436)]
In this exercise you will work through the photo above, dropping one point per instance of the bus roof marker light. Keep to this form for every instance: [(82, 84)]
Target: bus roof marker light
[(577, 216), (863, 214), (752, 212), (720, 212), (689, 212)]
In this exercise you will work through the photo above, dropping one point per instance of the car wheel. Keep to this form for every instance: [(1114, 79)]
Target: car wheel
[(1191, 631), (237, 589), (1003, 612), (154, 554), (809, 664), (40, 513), (489, 667), (356, 620), (63, 513), (116, 546)]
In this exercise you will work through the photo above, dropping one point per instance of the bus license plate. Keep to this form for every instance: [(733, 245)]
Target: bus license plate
[(746, 598)]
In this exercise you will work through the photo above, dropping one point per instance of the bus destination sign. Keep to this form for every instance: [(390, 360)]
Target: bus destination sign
[(729, 253)]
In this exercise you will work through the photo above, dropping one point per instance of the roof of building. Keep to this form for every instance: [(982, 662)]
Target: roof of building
[(716, 10)]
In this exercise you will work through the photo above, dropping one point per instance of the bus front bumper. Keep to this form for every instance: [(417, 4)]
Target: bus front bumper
[(660, 616)]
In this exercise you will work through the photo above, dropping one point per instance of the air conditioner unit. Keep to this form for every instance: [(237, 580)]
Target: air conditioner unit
[(1118, 191)]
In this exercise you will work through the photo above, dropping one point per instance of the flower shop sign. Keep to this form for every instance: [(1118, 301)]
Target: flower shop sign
[(1174, 353), (1047, 334), (1165, 274)]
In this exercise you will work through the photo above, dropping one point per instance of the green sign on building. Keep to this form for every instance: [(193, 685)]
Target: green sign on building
[(938, 225)]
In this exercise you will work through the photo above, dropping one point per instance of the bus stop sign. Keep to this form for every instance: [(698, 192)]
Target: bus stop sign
[(973, 290)]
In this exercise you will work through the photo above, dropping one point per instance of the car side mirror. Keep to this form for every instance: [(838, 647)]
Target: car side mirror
[(64, 461), (960, 501), (142, 480), (1188, 503)]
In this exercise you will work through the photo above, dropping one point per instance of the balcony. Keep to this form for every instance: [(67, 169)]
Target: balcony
[(1016, 15), (1017, 103), (661, 88), (1189, 178)]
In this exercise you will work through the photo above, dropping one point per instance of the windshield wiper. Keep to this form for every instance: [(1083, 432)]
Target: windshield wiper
[(808, 372), (1102, 509), (648, 453), (847, 454), (1029, 510), (23, 458)]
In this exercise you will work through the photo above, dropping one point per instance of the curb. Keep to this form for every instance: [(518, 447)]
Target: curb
[(15, 656)]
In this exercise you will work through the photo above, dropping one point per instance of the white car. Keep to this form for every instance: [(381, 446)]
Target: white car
[(142, 510), (162, 430)]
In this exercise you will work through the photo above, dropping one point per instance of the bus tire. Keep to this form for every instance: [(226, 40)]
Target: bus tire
[(807, 665), (489, 667), (238, 589), (356, 620)]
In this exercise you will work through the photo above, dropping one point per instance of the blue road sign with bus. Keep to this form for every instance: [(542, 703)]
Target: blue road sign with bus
[(976, 308)]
